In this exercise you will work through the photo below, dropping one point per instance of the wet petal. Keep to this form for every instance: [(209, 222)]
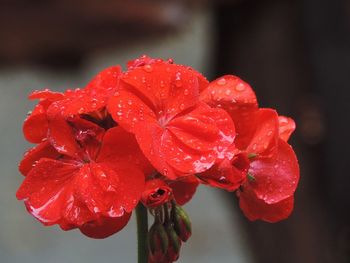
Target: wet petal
[(286, 127), (130, 111), (227, 174), (238, 99), (48, 191), (204, 129), (256, 209), (167, 88), (35, 126), (265, 137), (120, 146), (46, 94), (275, 178), (110, 189), (42, 150), (61, 134)]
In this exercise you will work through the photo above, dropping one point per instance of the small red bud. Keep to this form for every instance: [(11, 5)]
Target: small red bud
[(156, 193)]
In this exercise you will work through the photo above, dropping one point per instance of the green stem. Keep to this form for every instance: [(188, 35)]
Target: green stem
[(142, 229)]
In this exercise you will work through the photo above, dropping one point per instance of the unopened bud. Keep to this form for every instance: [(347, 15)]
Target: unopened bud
[(158, 242), (182, 223), (156, 193), (174, 244)]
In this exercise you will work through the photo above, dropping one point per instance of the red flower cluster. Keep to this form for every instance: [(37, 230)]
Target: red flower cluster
[(152, 134)]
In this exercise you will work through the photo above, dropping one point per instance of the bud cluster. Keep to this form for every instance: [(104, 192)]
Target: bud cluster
[(171, 227)]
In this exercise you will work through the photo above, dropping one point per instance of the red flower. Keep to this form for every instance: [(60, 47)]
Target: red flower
[(92, 188), (273, 172), (179, 135)]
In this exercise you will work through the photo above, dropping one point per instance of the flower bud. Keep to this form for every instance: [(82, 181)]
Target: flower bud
[(156, 193), (182, 223), (174, 244), (158, 242)]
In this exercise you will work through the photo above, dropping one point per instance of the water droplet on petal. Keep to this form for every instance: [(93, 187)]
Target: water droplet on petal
[(148, 68), (240, 87), (222, 82)]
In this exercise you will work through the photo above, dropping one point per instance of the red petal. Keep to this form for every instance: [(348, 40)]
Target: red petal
[(182, 158), (61, 134), (42, 150), (110, 189), (35, 126), (46, 94), (286, 127), (48, 192), (189, 144), (238, 99), (167, 89), (129, 110), (275, 178), (141, 61), (229, 91), (255, 209), (228, 174), (150, 138), (204, 129), (265, 136), (92, 98), (105, 226), (121, 146), (184, 189)]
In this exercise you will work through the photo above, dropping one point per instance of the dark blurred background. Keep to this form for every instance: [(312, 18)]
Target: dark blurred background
[(295, 54)]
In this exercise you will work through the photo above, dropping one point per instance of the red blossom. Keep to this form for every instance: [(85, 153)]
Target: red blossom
[(272, 174), (179, 135), (94, 186), (151, 134)]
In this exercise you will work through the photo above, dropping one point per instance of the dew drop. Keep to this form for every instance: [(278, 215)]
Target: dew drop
[(222, 82), (240, 87), (165, 171), (186, 92), (182, 106), (148, 68)]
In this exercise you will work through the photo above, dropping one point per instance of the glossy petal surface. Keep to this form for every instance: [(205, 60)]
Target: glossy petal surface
[(286, 127), (121, 146), (104, 226), (275, 178), (42, 150), (256, 209), (227, 174), (238, 99)]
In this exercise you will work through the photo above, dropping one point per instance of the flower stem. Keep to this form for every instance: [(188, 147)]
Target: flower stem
[(142, 229)]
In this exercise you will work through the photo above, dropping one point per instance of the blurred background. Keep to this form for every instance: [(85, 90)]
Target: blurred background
[(295, 54)]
